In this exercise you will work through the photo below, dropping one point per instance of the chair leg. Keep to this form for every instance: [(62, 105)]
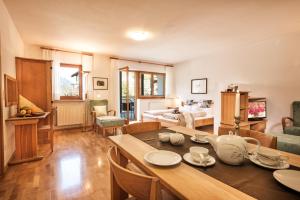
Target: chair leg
[(51, 139)]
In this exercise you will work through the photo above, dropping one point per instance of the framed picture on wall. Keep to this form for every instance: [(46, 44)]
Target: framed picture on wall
[(100, 83), (199, 86)]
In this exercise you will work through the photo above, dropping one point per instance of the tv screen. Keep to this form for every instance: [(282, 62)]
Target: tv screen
[(257, 109)]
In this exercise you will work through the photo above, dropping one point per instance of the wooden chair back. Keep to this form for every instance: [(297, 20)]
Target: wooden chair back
[(141, 127), (140, 186), (264, 139)]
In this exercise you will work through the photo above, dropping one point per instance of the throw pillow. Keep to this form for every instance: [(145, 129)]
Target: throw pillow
[(100, 111)]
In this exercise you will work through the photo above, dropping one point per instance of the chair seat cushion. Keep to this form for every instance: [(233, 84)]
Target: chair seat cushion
[(109, 121), (293, 130)]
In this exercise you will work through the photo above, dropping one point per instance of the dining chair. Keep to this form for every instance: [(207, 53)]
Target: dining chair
[(138, 185), (141, 127), (264, 139)]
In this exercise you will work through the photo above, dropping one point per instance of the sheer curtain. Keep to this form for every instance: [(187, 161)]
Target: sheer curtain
[(55, 57), (87, 64)]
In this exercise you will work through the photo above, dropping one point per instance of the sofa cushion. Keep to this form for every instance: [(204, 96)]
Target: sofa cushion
[(110, 121), (293, 130), (296, 113), (288, 143)]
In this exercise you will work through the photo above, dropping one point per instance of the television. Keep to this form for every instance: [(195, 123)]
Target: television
[(257, 108)]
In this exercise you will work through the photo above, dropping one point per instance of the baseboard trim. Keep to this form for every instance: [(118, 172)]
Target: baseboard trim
[(84, 128)]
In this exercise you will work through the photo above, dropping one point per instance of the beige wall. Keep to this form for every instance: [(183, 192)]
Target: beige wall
[(11, 46), (269, 68)]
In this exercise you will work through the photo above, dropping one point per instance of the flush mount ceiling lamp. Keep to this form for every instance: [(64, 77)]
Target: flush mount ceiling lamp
[(138, 35)]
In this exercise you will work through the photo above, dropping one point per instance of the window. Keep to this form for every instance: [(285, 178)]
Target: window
[(70, 81), (152, 85)]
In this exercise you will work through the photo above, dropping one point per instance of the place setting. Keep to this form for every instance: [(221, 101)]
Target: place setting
[(165, 158), (269, 159), (200, 138), (199, 156)]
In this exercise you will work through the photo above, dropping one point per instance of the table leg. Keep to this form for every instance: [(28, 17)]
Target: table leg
[(103, 132), (117, 193)]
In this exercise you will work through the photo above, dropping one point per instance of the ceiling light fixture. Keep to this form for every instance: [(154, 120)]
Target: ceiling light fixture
[(138, 35)]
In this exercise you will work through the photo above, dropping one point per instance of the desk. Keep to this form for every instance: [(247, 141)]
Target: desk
[(26, 138)]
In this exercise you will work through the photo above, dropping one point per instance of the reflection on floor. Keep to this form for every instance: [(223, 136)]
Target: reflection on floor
[(77, 169)]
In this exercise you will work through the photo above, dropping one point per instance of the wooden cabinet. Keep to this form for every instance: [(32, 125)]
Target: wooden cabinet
[(35, 84), (26, 138), (228, 109)]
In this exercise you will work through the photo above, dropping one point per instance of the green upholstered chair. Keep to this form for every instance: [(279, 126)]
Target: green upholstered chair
[(103, 122), (291, 126)]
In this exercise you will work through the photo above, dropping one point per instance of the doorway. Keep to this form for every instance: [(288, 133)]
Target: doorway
[(127, 94)]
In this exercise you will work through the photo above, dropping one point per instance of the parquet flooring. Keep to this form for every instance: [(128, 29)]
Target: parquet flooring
[(77, 169)]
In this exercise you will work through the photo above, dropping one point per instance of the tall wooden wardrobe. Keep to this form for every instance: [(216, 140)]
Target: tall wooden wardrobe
[(34, 83)]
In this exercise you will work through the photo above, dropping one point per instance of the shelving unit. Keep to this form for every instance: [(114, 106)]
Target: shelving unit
[(228, 106)]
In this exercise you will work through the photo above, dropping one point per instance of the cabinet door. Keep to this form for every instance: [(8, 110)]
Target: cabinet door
[(34, 81)]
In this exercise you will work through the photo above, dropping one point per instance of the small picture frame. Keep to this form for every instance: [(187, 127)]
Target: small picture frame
[(100, 83), (10, 90), (199, 86)]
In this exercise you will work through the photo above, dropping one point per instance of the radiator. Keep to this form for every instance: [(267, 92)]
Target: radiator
[(70, 113)]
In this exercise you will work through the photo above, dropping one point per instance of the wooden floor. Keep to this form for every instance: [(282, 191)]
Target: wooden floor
[(77, 169)]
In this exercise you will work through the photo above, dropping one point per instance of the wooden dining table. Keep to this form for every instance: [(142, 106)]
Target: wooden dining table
[(183, 180)]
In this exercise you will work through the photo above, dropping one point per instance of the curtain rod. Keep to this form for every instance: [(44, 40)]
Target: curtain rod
[(139, 61), (78, 52)]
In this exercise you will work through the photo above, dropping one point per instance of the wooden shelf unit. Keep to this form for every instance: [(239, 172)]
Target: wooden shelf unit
[(228, 109)]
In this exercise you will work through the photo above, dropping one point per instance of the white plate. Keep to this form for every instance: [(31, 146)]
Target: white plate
[(162, 158), (193, 138), (188, 158), (283, 165), (289, 178)]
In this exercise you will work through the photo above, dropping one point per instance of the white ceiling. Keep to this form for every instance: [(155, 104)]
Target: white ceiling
[(180, 29)]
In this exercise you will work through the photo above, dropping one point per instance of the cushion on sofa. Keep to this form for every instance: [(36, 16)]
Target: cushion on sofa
[(288, 143), (293, 130), (296, 113)]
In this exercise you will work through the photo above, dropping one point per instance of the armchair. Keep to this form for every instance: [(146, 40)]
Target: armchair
[(290, 125), (94, 103), (103, 118)]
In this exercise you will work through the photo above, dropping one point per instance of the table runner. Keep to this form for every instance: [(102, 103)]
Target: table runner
[(249, 178)]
